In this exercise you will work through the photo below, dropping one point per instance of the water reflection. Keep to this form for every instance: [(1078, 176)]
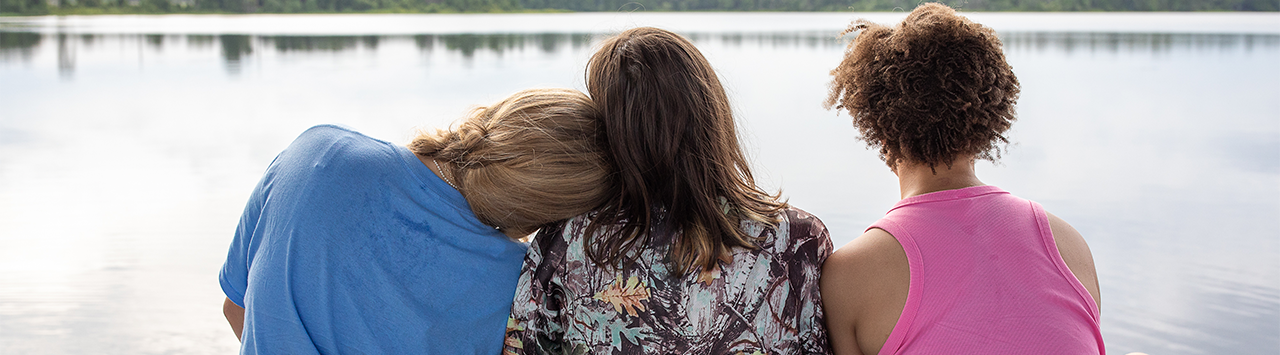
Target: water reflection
[(200, 41), (233, 48), (284, 44), (87, 40), (1156, 43), (20, 46), (66, 55), (155, 41)]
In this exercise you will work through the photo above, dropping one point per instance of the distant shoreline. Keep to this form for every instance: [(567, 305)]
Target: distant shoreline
[(116, 11), (532, 11), (580, 23), (228, 7)]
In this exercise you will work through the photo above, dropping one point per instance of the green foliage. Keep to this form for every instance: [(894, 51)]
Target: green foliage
[(32, 7), (157, 6), (905, 5), (24, 7), (1117, 5)]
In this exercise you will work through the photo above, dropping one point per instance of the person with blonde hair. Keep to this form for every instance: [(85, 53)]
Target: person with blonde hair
[(352, 245), (688, 256), (956, 266)]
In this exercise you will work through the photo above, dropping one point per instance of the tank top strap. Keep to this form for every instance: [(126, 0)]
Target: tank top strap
[(1051, 251)]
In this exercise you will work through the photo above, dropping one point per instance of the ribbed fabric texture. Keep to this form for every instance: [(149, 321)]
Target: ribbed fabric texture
[(986, 278)]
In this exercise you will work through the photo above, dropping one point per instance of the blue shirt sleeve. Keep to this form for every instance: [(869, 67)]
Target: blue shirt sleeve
[(234, 276)]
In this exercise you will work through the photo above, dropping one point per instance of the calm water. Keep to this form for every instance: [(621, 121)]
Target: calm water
[(129, 144)]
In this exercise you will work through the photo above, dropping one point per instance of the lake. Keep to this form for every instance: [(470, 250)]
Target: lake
[(129, 144)]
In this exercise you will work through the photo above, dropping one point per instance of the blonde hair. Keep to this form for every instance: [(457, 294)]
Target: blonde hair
[(531, 159)]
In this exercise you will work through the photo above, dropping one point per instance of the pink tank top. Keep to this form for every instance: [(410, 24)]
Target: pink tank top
[(986, 278)]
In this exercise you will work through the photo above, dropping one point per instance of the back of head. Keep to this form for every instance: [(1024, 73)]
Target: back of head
[(533, 158), (932, 89), (672, 138)]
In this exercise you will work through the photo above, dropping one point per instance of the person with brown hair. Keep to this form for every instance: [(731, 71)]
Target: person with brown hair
[(687, 255), (350, 244), (956, 266)]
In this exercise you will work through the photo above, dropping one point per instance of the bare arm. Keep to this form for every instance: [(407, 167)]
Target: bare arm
[(235, 316), (838, 301), (864, 289), (1075, 252)]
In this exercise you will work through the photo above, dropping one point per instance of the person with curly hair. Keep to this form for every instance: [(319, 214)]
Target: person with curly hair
[(956, 266)]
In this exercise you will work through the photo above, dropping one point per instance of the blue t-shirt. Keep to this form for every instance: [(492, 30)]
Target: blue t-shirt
[(350, 245)]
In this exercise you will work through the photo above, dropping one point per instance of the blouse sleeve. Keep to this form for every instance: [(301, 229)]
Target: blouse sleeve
[(535, 324), (811, 245)]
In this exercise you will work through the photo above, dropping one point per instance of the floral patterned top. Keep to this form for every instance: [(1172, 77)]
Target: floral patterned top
[(762, 301)]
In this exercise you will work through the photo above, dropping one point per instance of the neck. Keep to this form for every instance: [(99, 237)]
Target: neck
[(435, 166), (917, 179)]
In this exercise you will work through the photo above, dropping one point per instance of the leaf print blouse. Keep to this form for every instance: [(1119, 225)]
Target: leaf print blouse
[(762, 301)]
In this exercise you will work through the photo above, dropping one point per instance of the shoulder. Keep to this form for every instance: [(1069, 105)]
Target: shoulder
[(573, 228), (328, 144), (550, 244), (803, 224), (1068, 239), (327, 133), (865, 268), (871, 254), (798, 233), (330, 134), (1075, 253), (863, 272)]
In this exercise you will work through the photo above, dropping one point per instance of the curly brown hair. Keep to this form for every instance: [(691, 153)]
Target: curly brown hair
[(930, 90)]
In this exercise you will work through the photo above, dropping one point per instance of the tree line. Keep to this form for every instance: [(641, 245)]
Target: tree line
[(41, 7)]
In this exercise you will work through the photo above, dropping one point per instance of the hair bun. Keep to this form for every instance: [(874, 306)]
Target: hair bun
[(470, 143)]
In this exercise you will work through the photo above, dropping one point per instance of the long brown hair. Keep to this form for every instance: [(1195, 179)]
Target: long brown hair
[(671, 136), (531, 159)]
